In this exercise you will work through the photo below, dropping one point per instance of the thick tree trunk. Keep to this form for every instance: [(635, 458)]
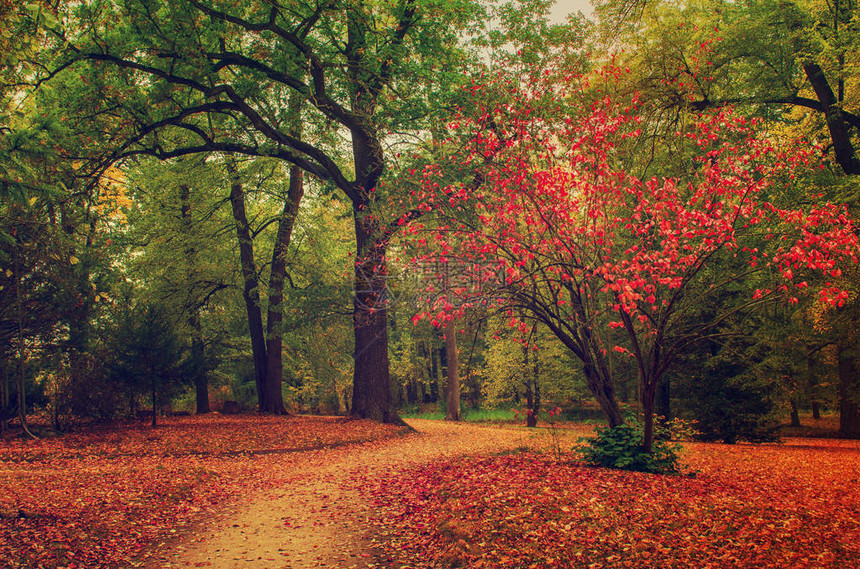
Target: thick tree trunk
[(371, 381), (453, 389), (251, 288), (371, 387), (371, 391), (849, 393)]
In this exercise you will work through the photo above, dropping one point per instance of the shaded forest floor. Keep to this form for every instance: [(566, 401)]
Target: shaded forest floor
[(326, 492)]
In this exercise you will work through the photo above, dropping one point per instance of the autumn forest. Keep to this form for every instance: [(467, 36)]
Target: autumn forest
[(429, 283)]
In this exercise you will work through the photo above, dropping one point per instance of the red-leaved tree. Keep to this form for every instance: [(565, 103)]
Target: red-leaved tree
[(550, 225)]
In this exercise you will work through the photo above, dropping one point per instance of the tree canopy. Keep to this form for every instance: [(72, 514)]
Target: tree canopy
[(289, 183)]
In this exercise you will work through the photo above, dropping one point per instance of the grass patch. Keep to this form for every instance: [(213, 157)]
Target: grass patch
[(432, 412)]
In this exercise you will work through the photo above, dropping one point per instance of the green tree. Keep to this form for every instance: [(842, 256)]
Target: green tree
[(791, 61), (528, 370), (219, 73), (175, 251), (145, 351)]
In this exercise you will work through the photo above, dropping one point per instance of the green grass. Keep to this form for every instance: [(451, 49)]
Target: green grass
[(469, 415), (497, 415)]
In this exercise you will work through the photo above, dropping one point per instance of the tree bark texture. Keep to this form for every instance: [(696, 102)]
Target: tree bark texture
[(844, 151), (794, 413), (275, 315), (251, 286), (371, 387), (453, 391)]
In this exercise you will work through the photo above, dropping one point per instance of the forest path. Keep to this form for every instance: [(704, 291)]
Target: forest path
[(321, 518)]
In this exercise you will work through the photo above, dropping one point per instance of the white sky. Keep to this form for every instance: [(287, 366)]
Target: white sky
[(563, 7)]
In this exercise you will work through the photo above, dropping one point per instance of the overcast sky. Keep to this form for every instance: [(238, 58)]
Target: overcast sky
[(563, 7)]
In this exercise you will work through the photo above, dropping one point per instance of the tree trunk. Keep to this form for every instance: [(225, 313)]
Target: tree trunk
[(849, 394), (198, 357), (198, 352), (19, 309), (453, 390), (795, 413), (600, 385), (251, 290), (275, 316), (595, 368), (649, 392), (371, 385), (816, 410), (412, 391)]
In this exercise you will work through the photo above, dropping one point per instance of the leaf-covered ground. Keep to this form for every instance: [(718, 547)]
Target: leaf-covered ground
[(791, 505), (99, 497), (105, 498), (319, 517)]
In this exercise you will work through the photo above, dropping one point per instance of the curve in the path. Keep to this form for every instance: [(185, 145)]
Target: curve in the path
[(321, 519)]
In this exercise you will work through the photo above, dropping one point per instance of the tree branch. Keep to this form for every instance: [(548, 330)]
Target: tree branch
[(806, 102)]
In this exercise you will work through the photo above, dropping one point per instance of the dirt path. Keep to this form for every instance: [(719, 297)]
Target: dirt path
[(320, 519)]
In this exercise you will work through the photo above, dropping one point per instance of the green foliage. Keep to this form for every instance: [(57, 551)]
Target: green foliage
[(146, 352), (469, 415), (731, 393), (621, 447), (676, 429), (505, 372), (734, 408)]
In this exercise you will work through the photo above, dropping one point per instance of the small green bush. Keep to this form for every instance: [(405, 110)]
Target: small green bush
[(621, 447)]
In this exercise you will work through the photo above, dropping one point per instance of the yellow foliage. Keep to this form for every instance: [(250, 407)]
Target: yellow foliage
[(112, 195)]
